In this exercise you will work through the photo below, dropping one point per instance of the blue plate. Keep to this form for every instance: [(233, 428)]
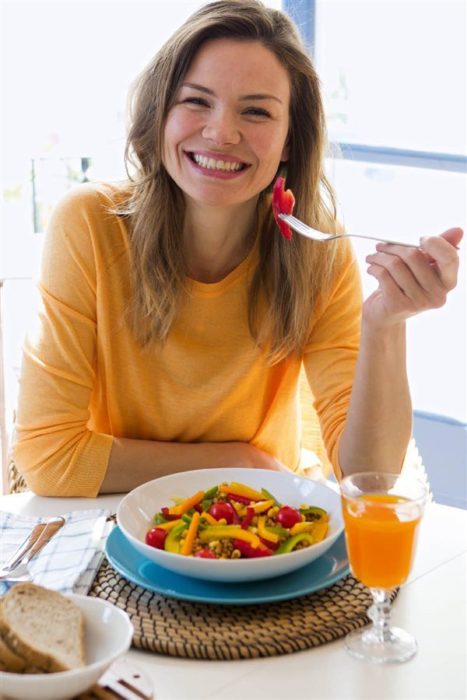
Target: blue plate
[(321, 573)]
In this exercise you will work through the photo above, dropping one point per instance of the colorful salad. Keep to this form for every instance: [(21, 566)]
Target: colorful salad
[(234, 521)]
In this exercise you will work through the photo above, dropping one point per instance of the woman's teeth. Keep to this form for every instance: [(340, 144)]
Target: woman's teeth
[(212, 164)]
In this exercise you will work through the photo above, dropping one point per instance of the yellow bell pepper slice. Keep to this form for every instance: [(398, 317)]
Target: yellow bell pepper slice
[(209, 518), (168, 526), (264, 533), (262, 506), (302, 527), (191, 535), (229, 531), (321, 530), (184, 506), (240, 508), (242, 490)]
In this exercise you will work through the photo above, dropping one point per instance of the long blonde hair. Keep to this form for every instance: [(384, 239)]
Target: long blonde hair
[(290, 275)]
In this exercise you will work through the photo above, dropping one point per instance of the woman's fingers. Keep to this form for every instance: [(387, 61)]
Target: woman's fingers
[(424, 275), (412, 272), (412, 279), (443, 254), (452, 235), (395, 299)]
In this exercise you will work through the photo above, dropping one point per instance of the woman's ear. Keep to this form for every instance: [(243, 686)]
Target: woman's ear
[(285, 153)]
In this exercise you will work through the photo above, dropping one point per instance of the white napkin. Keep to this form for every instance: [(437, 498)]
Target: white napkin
[(70, 561)]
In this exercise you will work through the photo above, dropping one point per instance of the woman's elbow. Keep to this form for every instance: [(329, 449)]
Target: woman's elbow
[(47, 475)]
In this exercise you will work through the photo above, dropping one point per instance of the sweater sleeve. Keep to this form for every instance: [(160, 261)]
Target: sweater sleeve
[(55, 450), (332, 351)]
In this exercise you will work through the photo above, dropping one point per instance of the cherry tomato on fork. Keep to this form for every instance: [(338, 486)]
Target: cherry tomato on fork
[(282, 203)]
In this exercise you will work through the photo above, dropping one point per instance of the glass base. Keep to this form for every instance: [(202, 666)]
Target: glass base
[(395, 647)]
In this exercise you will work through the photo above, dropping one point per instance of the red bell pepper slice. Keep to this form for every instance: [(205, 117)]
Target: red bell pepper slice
[(169, 516), (283, 202), (235, 519), (269, 545), (250, 514), (251, 552), (239, 499)]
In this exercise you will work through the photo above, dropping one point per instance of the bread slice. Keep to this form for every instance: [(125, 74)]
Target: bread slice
[(43, 627), (9, 660)]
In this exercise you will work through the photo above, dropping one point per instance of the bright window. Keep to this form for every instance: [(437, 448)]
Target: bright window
[(394, 79), (404, 203), (394, 72)]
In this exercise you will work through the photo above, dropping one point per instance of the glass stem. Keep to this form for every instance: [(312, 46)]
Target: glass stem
[(380, 613)]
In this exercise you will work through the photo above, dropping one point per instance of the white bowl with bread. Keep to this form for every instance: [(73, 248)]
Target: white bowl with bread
[(53, 646)]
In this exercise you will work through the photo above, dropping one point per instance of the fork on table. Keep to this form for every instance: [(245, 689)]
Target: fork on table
[(16, 568)]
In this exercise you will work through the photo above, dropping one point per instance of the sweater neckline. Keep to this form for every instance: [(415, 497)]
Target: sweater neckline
[(212, 289)]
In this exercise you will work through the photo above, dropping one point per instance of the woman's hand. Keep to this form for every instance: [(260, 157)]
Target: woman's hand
[(411, 279)]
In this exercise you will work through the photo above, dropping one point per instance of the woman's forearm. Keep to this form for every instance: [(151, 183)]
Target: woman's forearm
[(133, 462), (379, 420), (410, 280)]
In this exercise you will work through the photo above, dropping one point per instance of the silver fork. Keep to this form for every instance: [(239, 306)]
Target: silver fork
[(16, 568), (316, 235)]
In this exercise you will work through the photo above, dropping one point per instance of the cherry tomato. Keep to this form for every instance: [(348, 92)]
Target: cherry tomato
[(156, 537), (205, 554), (288, 517), (222, 510)]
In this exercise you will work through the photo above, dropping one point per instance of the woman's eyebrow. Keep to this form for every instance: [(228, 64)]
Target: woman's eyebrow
[(201, 88), (261, 96), (256, 96)]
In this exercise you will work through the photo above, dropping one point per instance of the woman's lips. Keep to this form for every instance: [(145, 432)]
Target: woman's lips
[(216, 165)]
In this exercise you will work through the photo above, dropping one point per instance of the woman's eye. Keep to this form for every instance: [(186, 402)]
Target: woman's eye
[(257, 112), (197, 101)]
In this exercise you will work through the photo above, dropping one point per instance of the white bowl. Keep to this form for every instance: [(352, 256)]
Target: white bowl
[(136, 510), (108, 634)]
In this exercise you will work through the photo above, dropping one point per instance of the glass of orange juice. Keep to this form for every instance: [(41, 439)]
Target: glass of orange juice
[(382, 513)]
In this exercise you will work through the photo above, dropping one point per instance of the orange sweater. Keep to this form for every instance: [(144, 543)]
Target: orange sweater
[(85, 379)]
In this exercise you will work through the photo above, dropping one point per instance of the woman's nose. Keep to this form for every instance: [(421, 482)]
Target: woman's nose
[(222, 129)]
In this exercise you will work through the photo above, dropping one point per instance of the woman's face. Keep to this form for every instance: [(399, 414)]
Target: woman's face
[(226, 133)]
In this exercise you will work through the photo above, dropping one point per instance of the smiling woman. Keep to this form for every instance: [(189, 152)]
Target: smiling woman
[(176, 321)]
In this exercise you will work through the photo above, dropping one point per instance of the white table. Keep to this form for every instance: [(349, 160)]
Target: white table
[(432, 605)]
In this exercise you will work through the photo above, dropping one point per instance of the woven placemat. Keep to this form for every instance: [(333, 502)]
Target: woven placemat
[(204, 631)]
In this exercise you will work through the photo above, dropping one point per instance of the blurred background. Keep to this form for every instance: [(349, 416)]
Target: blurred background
[(393, 75)]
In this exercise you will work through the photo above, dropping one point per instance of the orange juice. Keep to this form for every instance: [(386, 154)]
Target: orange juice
[(380, 541)]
